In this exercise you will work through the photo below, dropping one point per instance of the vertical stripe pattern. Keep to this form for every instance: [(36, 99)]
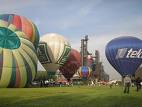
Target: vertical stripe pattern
[(18, 66)]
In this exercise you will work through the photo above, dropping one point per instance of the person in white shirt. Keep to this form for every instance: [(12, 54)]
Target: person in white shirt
[(127, 83)]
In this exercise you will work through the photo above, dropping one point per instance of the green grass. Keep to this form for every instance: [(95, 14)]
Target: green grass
[(69, 97)]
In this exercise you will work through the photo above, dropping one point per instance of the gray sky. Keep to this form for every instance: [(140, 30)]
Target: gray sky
[(102, 20)]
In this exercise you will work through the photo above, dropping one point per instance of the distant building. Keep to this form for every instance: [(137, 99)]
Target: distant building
[(99, 69), (103, 75)]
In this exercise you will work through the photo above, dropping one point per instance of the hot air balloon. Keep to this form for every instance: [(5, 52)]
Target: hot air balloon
[(22, 24), (90, 60), (18, 60), (84, 72), (72, 64), (125, 54), (53, 51), (92, 64)]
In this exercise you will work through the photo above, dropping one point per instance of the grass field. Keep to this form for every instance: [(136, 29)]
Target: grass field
[(69, 97)]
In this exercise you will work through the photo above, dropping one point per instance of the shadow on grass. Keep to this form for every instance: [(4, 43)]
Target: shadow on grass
[(73, 101)]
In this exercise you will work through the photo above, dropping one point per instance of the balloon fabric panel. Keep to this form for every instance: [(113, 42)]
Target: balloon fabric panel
[(6, 71), (21, 66), (8, 39), (23, 24), (1, 61), (64, 55)]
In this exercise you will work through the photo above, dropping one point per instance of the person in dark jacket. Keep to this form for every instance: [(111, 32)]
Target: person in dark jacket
[(138, 83)]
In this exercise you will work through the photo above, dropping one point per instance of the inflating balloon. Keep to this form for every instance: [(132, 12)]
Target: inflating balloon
[(72, 64), (125, 54), (22, 24), (18, 60), (92, 64), (53, 51), (90, 60), (84, 72)]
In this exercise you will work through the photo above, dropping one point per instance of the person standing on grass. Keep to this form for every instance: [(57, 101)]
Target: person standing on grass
[(138, 83), (127, 84)]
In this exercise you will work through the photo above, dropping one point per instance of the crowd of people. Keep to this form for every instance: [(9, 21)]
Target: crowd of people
[(127, 82)]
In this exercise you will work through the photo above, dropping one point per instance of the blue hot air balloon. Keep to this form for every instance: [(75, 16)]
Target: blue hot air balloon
[(84, 72), (125, 54)]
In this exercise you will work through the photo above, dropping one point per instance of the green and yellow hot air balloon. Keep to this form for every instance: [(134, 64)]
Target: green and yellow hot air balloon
[(53, 52), (18, 60)]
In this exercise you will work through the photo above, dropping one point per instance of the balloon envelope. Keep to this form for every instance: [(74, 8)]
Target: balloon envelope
[(18, 60), (89, 60), (91, 63), (72, 64), (53, 51), (125, 54), (84, 72)]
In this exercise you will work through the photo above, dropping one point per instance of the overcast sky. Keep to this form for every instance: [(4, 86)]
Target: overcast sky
[(102, 20)]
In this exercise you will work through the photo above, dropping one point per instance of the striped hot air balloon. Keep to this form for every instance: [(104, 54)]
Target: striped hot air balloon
[(53, 52), (85, 72), (22, 24), (18, 60)]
